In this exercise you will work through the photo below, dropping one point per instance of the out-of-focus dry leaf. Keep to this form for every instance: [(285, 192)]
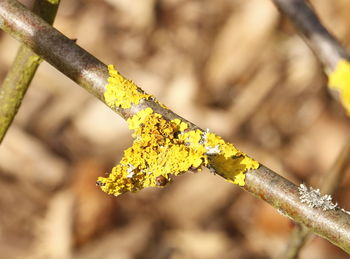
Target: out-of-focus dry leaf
[(308, 147), (99, 125), (270, 221), (54, 232), (199, 244), (22, 204), (181, 93), (121, 243), (240, 42), (24, 157), (93, 211), (95, 28), (252, 96), (177, 204), (137, 13), (318, 248), (302, 65), (8, 48)]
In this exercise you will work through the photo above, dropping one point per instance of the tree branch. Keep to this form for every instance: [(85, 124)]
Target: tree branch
[(92, 74)]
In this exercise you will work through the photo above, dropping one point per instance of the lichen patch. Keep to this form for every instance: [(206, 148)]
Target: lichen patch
[(163, 148), (121, 92), (313, 198), (339, 80)]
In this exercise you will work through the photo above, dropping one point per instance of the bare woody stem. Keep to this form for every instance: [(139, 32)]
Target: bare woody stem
[(91, 74), (325, 46), (22, 71)]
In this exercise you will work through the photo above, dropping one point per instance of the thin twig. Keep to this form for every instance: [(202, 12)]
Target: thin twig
[(22, 71), (92, 74), (331, 180), (325, 46)]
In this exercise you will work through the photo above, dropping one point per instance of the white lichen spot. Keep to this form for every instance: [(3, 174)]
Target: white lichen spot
[(213, 150), (313, 198), (204, 137), (130, 171)]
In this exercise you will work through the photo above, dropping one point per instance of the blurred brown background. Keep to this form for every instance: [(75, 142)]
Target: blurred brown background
[(234, 66)]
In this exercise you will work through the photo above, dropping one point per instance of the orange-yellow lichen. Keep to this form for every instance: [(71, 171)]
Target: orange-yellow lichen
[(121, 92), (161, 149), (233, 168), (164, 148), (155, 152), (239, 179), (339, 79), (135, 121), (182, 125)]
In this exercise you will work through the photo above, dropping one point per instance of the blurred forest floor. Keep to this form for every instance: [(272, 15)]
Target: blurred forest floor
[(233, 66)]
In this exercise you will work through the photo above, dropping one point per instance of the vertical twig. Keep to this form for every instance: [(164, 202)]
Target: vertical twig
[(22, 71)]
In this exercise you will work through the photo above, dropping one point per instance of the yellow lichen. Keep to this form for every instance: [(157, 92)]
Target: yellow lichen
[(121, 92), (155, 152), (164, 148), (239, 179), (182, 125), (339, 79), (137, 120), (233, 168), (161, 149)]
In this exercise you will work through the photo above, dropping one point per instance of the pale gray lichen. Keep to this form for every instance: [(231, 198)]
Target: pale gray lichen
[(131, 171), (213, 150), (313, 198)]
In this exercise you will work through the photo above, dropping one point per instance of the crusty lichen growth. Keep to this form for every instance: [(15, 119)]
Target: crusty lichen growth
[(121, 92), (339, 79), (313, 198), (164, 148)]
